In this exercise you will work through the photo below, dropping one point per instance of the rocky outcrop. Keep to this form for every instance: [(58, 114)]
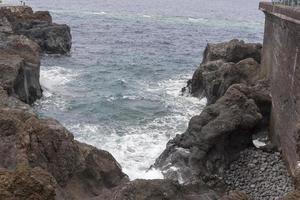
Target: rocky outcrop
[(80, 170), (225, 64), (214, 138), (232, 51), (38, 26), (236, 196), (20, 68)]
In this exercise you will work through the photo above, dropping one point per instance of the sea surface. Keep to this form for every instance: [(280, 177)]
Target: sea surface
[(119, 89)]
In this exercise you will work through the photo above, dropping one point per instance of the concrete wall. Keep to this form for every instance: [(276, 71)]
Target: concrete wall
[(281, 64)]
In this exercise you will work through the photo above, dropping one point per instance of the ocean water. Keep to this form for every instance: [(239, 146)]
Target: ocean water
[(119, 89)]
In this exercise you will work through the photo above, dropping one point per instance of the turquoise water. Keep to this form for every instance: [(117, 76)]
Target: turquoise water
[(120, 88)]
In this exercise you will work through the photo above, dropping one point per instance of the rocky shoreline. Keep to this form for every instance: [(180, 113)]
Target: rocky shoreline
[(41, 160)]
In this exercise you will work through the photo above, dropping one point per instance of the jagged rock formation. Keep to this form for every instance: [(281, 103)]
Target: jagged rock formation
[(20, 68), (225, 64), (214, 138), (79, 169), (239, 105), (38, 26)]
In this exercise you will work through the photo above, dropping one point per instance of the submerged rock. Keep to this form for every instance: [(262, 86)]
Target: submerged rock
[(38, 26)]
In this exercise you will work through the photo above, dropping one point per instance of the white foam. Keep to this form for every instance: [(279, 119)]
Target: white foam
[(257, 143), (137, 149), (52, 77), (147, 16), (191, 19)]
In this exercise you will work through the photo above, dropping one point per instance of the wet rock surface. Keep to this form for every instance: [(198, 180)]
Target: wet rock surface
[(262, 175)]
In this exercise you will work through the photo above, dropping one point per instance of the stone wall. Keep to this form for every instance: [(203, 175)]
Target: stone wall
[(281, 64)]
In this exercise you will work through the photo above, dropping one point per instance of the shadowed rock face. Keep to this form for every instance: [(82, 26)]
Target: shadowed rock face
[(38, 26), (232, 51), (225, 64), (20, 68), (215, 137)]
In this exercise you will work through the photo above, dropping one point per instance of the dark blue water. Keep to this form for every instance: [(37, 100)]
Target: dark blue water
[(119, 89)]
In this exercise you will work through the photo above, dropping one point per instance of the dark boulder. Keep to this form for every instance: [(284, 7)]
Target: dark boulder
[(214, 138), (213, 78), (232, 51), (225, 64), (52, 39)]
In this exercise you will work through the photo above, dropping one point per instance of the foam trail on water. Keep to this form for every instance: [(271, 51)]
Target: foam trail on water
[(137, 149)]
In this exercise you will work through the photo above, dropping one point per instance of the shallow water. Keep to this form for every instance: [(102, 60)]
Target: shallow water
[(119, 90)]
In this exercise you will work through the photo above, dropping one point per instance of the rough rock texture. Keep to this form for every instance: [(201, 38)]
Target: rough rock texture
[(26, 184), (20, 68), (213, 78), (262, 175), (232, 51), (214, 138), (80, 170), (225, 64), (38, 26), (163, 190)]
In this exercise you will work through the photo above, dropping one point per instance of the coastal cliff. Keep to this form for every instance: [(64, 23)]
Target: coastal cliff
[(216, 158)]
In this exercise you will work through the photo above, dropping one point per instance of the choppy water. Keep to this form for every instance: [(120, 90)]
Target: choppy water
[(119, 89)]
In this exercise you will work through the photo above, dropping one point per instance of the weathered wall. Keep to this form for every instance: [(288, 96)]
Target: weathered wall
[(281, 64)]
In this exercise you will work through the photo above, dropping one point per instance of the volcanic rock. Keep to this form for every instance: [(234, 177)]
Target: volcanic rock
[(232, 51), (38, 26), (214, 138), (80, 170), (20, 68)]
